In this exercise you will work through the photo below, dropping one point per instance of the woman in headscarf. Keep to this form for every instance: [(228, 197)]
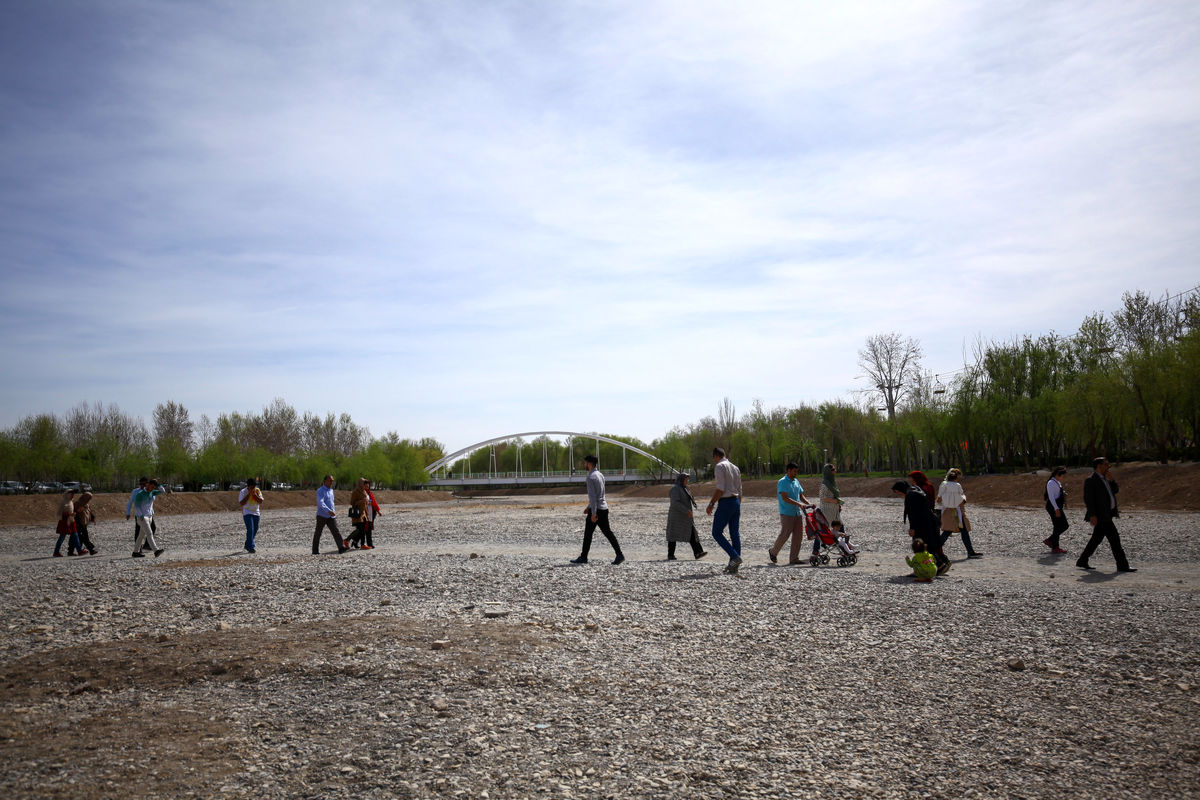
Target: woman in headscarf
[(828, 494), (66, 525), (375, 512), (681, 526), (359, 508), (918, 479), (83, 518)]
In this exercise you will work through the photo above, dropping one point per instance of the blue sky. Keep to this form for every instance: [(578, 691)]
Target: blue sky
[(462, 220)]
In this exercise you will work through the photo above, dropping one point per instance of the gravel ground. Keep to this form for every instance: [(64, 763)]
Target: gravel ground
[(421, 670)]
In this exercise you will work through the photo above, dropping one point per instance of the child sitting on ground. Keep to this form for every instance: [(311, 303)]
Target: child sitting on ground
[(923, 564)]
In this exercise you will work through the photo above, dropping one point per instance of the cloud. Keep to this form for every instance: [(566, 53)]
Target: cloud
[(452, 219)]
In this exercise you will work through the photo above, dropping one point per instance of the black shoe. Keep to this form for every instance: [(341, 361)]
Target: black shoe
[(251, 550), (672, 558), (1127, 569), (772, 556), (701, 554), (580, 560), (976, 554), (1083, 564), (318, 552), (137, 554), (618, 559), (159, 552)]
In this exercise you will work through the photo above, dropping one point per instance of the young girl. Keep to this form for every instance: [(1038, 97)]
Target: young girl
[(66, 525), (923, 565), (83, 518)]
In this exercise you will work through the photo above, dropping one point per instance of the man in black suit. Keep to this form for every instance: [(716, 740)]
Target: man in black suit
[(1100, 499)]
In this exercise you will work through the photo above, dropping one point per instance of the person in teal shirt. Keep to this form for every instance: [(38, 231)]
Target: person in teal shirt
[(143, 507), (792, 503)]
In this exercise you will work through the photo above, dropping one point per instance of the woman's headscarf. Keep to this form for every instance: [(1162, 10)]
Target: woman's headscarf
[(680, 479), (66, 505), (830, 480)]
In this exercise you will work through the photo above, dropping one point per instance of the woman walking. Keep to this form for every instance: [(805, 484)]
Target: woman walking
[(83, 518), (951, 506), (250, 499), (375, 512), (828, 495), (1056, 507), (681, 525), (359, 508), (66, 525)]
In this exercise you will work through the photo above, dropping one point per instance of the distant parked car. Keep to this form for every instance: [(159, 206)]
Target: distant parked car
[(12, 487), (177, 487), (208, 487), (282, 487)]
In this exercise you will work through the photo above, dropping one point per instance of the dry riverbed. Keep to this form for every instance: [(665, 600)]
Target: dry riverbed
[(464, 657)]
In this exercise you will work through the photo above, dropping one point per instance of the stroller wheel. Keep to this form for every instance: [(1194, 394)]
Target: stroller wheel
[(814, 561), (853, 560), (824, 559), (841, 562)]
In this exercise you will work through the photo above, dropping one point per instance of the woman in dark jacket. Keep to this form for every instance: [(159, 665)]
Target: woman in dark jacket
[(922, 524)]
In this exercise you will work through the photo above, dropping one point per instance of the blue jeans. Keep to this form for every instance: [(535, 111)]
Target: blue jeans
[(728, 513), (73, 547), (251, 521)]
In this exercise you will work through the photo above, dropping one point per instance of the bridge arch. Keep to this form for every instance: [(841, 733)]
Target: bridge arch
[(519, 478)]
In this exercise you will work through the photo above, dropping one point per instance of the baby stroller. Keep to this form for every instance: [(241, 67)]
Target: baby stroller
[(816, 526)]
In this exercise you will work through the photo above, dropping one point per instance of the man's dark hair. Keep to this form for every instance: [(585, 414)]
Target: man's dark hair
[(900, 486), (718, 452), (590, 459), (327, 478), (1098, 461), (792, 465)]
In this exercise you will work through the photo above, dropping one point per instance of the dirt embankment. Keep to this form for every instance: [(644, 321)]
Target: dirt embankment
[(1142, 486)]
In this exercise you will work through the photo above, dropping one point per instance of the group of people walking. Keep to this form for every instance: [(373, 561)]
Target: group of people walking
[(932, 516), (363, 511)]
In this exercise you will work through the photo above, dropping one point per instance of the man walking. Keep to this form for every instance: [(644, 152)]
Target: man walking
[(791, 521), (727, 501), (142, 481), (596, 514), (143, 506), (1100, 500), (325, 517)]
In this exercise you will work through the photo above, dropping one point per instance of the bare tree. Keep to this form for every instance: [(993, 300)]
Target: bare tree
[(893, 366), (726, 422), (173, 427)]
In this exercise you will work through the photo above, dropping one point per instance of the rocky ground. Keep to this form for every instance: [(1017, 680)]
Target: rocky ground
[(464, 657)]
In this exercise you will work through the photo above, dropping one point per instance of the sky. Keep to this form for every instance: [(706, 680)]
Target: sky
[(467, 219)]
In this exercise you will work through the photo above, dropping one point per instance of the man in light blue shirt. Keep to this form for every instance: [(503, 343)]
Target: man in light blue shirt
[(142, 502), (325, 517), (792, 503), (142, 481)]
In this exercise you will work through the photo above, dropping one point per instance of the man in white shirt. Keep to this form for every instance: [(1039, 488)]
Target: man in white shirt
[(727, 501)]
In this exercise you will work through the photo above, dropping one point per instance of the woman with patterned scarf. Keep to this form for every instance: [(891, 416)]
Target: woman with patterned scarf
[(828, 494)]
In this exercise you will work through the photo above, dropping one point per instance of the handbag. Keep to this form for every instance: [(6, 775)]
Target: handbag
[(950, 520)]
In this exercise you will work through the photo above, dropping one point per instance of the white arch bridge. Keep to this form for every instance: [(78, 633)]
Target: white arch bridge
[(442, 472)]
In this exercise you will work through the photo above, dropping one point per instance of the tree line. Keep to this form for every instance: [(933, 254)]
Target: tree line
[(110, 449), (1125, 385)]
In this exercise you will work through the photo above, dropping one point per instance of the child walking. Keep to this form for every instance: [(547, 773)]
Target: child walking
[(922, 562)]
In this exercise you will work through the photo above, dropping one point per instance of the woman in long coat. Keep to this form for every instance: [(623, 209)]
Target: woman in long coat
[(66, 525), (358, 500), (828, 494), (681, 526)]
